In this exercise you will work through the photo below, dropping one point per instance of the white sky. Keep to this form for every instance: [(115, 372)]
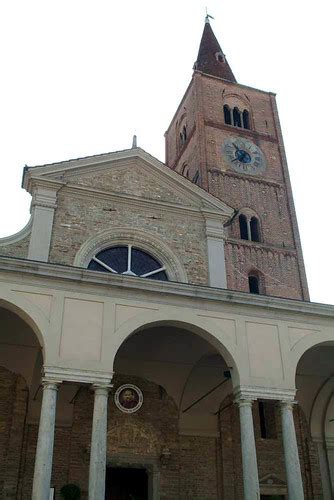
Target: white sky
[(79, 78)]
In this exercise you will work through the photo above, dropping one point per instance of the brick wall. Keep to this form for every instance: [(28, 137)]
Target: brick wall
[(270, 455), (13, 406), (268, 194), (199, 467)]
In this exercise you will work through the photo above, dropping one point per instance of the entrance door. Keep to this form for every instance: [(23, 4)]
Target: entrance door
[(126, 484)]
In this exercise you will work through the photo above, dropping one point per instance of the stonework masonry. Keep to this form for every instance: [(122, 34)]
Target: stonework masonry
[(78, 218)]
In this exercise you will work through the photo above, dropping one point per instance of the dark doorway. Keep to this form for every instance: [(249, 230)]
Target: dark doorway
[(272, 497), (126, 484)]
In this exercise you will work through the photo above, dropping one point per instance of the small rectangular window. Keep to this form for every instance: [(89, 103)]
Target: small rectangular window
[(267, 419)]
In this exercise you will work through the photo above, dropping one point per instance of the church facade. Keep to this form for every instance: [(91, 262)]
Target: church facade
[(157, 338)]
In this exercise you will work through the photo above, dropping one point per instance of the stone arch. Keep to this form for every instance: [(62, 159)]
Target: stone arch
[(312, 339), (187, 321), (30, 314), (144, 240), (315, 383)]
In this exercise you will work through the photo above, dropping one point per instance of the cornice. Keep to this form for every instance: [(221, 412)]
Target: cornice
[(175, 181), (20, 235), (22, 268), (34, 182), (58, 374), (241, 131), (257, 392), (262, 246), (137, 201), (236, 84), (255, 180)]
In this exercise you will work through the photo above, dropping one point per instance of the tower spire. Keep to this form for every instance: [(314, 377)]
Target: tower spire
[(211, 59)]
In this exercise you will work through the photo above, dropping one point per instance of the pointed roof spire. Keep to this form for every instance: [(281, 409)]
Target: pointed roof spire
[(211, 59)]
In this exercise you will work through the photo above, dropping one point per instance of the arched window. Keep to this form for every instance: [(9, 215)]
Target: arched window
[(254, 229), (245, 118), (185, 170), (227, 115), (129, 261), (253, 283), (236, 117), (195, 179), (243, 226), (184, 133)]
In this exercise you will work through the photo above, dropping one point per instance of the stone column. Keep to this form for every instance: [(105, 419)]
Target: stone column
[(44, 451), (248, 450), (98, 450), (292, 466)]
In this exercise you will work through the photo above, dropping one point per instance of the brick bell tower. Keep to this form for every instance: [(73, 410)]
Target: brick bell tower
[(226, 138)]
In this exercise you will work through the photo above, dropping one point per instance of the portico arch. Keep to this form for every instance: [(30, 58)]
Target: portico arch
[(315, 394), (203, 328), (30, 314), (180, 365)]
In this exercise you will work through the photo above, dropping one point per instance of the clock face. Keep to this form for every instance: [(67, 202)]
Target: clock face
[(243, 156)]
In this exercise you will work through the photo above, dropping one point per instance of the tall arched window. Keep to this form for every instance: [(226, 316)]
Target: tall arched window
[(184, 132), (253, 283), (236, 117), (243, 227), (254, 229), (227, 115), (245, 119), (183, 135), (185, 169)]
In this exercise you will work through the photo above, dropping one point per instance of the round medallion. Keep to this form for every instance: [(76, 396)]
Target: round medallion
[(243, 156), (128, 398)]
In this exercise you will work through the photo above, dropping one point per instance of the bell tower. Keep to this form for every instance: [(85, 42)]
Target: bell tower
[(226, 138)]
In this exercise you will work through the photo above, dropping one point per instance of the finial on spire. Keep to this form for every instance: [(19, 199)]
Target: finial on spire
[(207, 17), (134, 142)]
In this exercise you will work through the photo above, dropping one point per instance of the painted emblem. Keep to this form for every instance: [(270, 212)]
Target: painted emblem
[(128, 398)]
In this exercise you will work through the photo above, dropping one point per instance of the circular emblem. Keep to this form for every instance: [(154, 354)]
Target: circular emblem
[(128, 398)]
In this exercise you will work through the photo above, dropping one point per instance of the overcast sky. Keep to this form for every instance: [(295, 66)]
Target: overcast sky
[(81, 77)]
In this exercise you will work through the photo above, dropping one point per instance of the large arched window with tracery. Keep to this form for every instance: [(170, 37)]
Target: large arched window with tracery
[(129, 261)]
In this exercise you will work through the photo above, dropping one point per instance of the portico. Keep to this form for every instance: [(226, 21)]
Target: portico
[(220, 325)]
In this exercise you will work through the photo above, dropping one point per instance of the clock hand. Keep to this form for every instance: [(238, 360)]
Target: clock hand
[(236, 147)]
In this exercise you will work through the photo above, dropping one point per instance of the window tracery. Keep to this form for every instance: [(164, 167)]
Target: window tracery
[(128, 261)]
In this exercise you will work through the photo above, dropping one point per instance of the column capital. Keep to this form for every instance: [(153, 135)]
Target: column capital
[(243, 401), (48, 383), (102, 389), (287, 405)]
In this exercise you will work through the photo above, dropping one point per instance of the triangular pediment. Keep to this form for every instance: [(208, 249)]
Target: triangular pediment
[(271, 480), (130, 173)]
